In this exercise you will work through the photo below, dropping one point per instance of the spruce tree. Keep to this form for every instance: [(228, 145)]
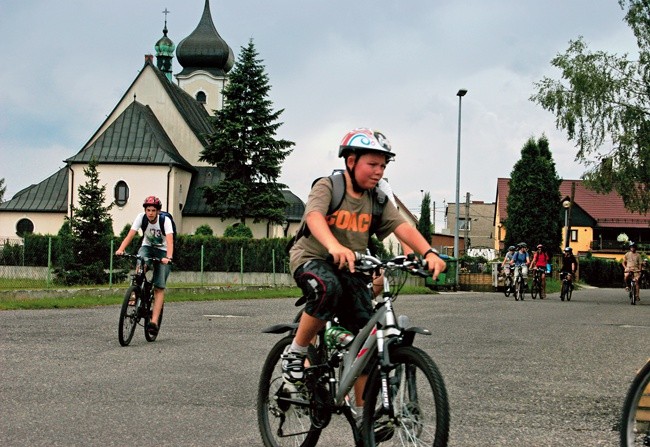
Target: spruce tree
[(424, 223), (91, 232), (534, 207), (243, 146)]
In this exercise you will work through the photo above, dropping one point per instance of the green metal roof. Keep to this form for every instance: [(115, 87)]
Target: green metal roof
[(48, 196), (135, 137)]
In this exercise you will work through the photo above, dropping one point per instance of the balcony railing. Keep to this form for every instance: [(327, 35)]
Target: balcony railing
[(616, 245)]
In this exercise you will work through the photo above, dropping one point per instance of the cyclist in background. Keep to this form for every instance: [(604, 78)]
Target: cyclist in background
[(505, 265), (569, 265), (154, 245), (521, 258), (539, 262), (632, 266)]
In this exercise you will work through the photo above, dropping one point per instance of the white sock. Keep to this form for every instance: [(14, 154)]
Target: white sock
[(295, 347)]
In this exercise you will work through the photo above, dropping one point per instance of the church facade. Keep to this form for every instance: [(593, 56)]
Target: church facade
[(150, 144)]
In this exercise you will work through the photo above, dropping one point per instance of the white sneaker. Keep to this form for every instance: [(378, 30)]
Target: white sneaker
[(293, 366)]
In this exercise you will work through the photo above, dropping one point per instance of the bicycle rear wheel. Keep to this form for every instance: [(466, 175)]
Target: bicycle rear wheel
[(419, 398), (635, 428), (282, 423), (128, 315)]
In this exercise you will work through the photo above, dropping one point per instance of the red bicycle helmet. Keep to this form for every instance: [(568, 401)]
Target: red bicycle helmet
[(152, 201)]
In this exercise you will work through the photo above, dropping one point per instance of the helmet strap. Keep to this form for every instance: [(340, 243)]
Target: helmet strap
[(355, 184)]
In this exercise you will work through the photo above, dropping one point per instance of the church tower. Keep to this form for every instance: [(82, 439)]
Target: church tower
[(206, 60), (165, 51)]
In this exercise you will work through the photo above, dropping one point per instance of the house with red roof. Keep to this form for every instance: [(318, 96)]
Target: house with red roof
[(596, 223)]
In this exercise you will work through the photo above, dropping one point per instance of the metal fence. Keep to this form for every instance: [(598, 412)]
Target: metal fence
[(20, 268)]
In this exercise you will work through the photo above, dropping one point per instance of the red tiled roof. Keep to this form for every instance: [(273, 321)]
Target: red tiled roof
[(606, 209)]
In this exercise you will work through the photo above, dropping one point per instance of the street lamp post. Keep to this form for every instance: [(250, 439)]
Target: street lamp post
[(566, 204), (460, 95)]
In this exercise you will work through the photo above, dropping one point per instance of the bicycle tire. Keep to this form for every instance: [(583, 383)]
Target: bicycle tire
[(274, 415), (517, 291), (569, 291), (147, 335), (128, 316), (630, 434), (507, 285), (419, 399), (563, 292), (536, 287), (632, 294)]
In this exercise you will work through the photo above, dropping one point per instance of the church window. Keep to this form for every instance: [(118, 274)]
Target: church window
[(121, 193), (24, 227), (201, 98)]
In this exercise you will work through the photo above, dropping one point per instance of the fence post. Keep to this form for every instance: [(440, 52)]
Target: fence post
[(110, 265), (274, 282), (49, 261), (202, 261), (241, 265)]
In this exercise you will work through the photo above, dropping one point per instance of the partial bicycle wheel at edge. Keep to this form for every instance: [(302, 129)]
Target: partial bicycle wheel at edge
[(281, 424), (128, 316), (507, 286), (419, 399), (633, 432)]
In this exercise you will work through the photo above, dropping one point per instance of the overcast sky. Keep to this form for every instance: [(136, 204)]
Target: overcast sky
[(333, 65)]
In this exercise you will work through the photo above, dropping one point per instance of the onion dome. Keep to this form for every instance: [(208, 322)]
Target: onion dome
[(165, 46), (204, 49)]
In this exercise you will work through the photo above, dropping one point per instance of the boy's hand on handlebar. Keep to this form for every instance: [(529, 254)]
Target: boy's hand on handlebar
[(435, 265), (343, 256), (119, 252)]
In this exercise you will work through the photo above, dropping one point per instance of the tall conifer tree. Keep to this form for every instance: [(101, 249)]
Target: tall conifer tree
[(424, 224), (243, 146), (534, 208)]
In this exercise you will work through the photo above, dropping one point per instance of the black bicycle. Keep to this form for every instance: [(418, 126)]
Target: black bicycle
[(635, 415), (405, 400), (138, 302), (536, 286), (567, 286), (507, 283), (632, 289), (519, 287)]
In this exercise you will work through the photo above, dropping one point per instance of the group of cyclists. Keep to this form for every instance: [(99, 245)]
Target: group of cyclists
[(518, 256)]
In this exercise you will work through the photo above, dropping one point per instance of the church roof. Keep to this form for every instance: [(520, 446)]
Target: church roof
[(135, 137), (48, 196), (204, 49), (196, 205)]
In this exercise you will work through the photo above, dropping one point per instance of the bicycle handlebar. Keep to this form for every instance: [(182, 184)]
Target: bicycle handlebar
[(129, 255), (410, 263)]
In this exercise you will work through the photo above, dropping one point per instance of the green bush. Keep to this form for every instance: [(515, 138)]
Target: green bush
[(601, 272), (238, 230)]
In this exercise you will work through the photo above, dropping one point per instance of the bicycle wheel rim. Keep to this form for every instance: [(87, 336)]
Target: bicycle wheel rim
[(128, 316), (281, 424), (632, 434), (419, 399)]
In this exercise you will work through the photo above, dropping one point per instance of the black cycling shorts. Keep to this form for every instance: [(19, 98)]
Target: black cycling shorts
[(332, 292)]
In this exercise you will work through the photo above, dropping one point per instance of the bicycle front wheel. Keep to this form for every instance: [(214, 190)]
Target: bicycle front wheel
[(507, 286), (419, 399), (147, 335), (536, 288), (635, 427), (128, 315), (282, 423), (564, 293)]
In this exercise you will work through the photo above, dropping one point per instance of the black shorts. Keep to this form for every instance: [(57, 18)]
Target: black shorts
[(332, 292)]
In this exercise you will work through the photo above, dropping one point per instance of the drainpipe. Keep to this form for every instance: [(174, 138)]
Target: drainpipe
[(70, 190), (169, 174)]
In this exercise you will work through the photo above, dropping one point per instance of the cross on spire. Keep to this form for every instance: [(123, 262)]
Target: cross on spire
[(166, 11)]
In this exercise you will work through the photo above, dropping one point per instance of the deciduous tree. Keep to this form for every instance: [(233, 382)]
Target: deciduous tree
[(602, 101)]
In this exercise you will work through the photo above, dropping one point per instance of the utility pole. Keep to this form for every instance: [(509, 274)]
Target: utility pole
[(466, 241)]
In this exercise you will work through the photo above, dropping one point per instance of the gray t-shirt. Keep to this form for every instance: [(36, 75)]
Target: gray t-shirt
[(350, 224)]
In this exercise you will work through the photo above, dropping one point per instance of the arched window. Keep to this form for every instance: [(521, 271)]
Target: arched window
[(24, 227), (121, 193), (201, 98)]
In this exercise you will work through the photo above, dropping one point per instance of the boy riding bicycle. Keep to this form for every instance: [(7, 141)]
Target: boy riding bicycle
[(334, 288), (157, 242)]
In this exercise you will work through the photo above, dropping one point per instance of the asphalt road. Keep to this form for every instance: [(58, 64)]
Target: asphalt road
[(531, 373)]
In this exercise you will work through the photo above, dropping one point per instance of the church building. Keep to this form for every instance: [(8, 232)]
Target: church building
[(150, 144)]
